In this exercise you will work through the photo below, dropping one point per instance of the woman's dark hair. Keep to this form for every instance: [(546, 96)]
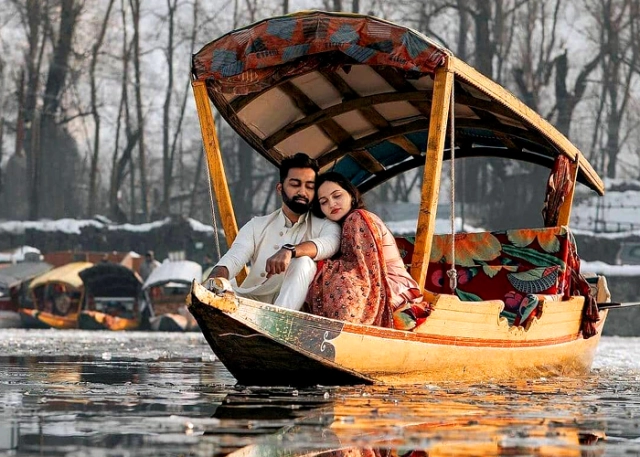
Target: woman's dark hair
[(335, 177), (298, 160)]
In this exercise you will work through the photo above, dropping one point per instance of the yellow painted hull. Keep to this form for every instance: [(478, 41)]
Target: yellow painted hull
[(49, 320), (459, 341), (96, 320)]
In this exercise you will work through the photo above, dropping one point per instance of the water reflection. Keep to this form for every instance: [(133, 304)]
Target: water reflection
[(148, 394), (388, 422)]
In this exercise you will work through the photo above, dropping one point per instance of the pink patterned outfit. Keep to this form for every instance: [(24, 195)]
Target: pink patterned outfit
[(367, 283)]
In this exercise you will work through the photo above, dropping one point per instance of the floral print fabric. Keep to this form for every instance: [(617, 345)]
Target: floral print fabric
[(515, 266)]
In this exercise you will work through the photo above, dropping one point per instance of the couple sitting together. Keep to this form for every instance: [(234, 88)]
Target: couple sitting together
[(322, 252)]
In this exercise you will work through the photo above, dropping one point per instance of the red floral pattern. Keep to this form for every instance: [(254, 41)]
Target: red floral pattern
[(531, 262)]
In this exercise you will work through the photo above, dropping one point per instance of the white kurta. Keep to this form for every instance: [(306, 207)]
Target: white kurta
[(261, 238)]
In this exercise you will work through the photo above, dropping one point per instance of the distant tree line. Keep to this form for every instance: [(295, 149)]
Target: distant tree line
[(97, 117)]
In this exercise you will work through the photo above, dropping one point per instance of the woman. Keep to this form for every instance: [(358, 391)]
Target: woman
[(366, 282)]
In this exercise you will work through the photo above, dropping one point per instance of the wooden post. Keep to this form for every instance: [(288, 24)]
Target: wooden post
[(564, 213), (442, 86), (217, 176)]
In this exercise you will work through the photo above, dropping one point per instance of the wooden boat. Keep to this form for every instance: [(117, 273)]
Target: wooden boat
[(14, 290), (166, 289), (366, 97), (56, 297), (113, 299)]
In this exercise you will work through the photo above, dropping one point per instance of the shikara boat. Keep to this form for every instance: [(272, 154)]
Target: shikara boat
[(14, 290), (371, 99), (55, 297), (112, 299), (166, 289)]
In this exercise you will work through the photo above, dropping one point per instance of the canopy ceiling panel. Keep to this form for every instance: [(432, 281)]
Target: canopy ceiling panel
[(355, 92)]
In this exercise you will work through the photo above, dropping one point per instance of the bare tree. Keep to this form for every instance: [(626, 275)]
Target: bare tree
[(620, 23), (142, 160), (95, 52), (167, 159), (2, 79)]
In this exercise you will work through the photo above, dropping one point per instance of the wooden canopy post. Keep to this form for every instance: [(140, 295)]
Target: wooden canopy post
[(217, 176), (564, 213), (442, 87)]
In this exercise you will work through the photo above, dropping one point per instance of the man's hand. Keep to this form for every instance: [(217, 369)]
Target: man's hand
[(219, 272), (278, 262)]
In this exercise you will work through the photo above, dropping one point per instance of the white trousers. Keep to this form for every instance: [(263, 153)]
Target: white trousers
[(295, 285)]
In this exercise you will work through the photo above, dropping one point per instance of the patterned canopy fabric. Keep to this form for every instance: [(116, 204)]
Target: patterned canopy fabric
[(256, 57), (356, 92)]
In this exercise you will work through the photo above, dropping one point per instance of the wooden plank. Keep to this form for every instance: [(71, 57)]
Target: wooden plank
[(403, 142), (370, 140), (331, 128), (399, 83), (368, 162), (528, 116), (443, 85), (217, 176), (564, 213), (364, 104), (347, 93), (243, 129)]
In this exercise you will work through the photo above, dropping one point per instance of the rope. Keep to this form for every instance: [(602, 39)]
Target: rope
[(452, 273), (216, 235)]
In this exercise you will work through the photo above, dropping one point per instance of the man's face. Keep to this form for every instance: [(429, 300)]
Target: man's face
[(298, 189)]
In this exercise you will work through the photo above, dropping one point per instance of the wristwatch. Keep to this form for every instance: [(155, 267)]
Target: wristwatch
[(290, 247)]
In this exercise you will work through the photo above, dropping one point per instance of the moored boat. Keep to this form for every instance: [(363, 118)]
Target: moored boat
[(112, 299), (166, 289), (56, 297), (370, 100), (14, 290)]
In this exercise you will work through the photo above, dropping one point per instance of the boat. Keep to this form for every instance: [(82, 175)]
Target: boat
[(55, 297), (112, 299), (372, 99), (166, 289), (14, 290)]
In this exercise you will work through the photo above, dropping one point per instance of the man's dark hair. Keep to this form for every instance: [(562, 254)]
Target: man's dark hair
[(298, 160)]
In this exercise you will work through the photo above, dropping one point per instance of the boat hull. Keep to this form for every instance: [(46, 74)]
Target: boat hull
[(170, 322), (267, 345), (33, 318), (96, 320)]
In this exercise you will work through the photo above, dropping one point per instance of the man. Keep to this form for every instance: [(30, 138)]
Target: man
[(283, 246), (149, 264)]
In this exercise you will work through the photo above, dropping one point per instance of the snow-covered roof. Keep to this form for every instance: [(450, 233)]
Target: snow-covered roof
[(178, 271), (75, 226), (18, 254), (602, 268)]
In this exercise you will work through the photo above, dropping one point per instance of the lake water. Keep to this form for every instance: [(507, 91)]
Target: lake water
[(78, 393)]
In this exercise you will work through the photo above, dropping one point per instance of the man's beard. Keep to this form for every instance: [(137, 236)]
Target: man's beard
[(297, 206)]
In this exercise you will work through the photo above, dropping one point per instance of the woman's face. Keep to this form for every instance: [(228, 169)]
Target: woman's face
[(335, 201)]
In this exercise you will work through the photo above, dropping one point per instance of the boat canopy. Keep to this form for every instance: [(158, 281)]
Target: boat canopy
[(111, 280), (15, 275), (182, 272), (355, 93), (67, 274)]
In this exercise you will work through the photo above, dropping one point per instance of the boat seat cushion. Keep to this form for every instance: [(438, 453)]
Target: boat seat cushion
[(516, 266)]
